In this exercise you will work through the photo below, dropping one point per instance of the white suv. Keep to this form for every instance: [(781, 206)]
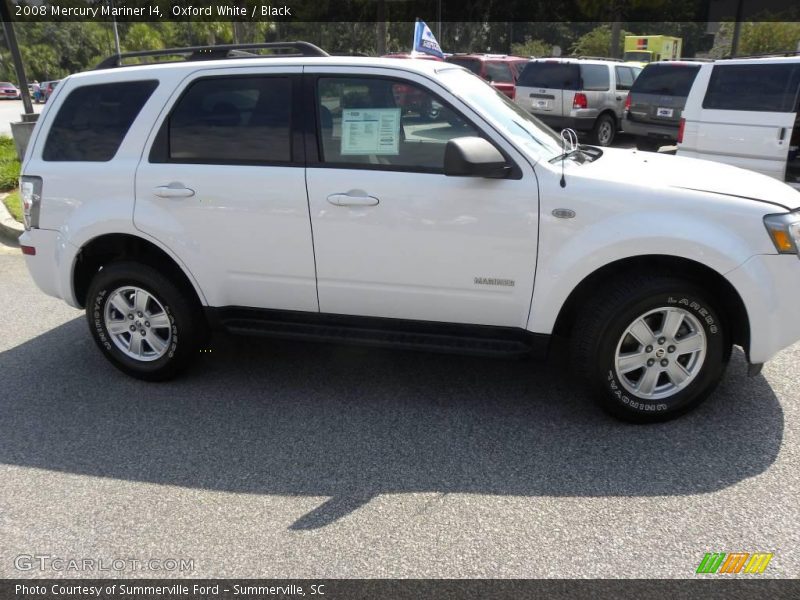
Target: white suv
[(295, 196)]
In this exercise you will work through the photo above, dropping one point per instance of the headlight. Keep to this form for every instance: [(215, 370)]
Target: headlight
[(784, 230)]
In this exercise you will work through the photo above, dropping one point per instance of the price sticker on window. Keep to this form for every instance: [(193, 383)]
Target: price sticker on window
[(371, 131)]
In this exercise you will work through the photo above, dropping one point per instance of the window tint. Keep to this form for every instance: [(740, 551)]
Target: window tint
[(595, 78), (499, 72), (554, 75), (366, 121), (666, 80), (763, 88), (94, 120), (232, 120), (624, 78), (468, 63)]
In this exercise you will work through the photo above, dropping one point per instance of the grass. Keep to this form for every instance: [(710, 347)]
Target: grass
[(14, 205), (9, 165)]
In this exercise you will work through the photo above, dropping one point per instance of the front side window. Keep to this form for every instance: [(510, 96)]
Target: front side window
[(595, 78), (624, 78), (377, 121), (756, 87), (232, 120), (94, 119)]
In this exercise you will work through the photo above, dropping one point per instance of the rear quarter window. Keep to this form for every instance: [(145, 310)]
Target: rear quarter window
[(94, 119), (758, 87), (552, 75), (666, 80)]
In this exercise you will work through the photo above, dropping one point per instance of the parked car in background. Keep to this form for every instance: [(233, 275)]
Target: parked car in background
[(587, 95), (408, 98), (500, 70), (744, 112), (9, 91), (654, 106)]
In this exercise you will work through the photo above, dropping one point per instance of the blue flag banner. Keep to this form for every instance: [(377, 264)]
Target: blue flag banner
[(424, 41)]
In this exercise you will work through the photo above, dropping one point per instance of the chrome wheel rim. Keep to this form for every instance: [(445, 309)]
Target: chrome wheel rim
[(604, 133), (138, 324), (660, 353)]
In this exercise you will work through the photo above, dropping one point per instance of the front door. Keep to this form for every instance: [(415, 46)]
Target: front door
[(395, 237)]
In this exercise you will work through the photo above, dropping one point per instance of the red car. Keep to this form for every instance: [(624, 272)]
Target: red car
[(500, 70), (410, 98), (8, 90)]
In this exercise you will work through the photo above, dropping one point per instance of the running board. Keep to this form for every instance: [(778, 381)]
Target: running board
[(479, 340)]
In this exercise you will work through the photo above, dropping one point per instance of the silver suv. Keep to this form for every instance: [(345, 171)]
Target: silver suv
[(587, 95)]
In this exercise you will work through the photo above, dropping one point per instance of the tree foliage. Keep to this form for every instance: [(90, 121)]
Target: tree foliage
[(598, 42)]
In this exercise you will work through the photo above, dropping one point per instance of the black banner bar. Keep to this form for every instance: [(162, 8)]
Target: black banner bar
[(451, 11), (720, 587)]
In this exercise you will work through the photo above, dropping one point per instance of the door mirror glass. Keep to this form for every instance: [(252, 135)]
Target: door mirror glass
[(474, 157)]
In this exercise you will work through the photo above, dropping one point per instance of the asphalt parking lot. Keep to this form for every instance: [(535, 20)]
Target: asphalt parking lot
[(280, 459)]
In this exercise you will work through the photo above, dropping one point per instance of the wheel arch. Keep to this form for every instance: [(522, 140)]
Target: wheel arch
[(107, 248), (728, 298)]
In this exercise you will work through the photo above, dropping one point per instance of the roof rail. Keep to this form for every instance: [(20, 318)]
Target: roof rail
[(192, 53), (597, 58), (764, 55)]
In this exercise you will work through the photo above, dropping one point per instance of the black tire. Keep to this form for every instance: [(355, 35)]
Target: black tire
[(186, 328), (648, 145), (598, 334), (605, 130)]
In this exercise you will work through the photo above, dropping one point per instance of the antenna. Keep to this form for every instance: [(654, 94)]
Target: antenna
[(567, 136)]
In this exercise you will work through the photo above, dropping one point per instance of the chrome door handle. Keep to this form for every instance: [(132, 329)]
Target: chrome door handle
[(348, 200), (173, 190)]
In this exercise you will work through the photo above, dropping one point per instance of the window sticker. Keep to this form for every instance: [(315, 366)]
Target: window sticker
[(371, 131)]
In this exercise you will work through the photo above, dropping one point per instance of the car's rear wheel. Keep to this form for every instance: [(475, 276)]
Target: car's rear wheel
[(650, 348), (605, 129), (142, 322), (647, 144)]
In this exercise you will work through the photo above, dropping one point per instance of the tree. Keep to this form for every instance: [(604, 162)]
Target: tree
[(598, 42), (761, 37), (532, 48)]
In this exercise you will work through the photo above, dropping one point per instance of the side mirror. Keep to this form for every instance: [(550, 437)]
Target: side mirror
[(474, 157)]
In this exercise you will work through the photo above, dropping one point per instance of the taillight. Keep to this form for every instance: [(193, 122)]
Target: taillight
[(31, 193), (628, 102), (681, 127), (580, 101), (513, 93)]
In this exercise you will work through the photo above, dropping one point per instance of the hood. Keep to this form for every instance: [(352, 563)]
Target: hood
[(663, 170)]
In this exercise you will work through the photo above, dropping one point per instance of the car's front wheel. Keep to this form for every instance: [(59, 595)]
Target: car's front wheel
[(143, 323), (651, 348)]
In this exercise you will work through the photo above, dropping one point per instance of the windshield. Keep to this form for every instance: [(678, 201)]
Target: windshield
[(638, 56), (528, 133)]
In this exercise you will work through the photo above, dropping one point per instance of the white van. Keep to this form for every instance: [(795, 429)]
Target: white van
[(744, 112)]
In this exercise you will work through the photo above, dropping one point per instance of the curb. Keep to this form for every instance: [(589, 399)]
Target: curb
[(10, 228)]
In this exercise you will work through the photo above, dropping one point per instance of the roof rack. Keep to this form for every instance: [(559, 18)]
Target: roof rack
[(597, 58), (192, 53), (764, 55)]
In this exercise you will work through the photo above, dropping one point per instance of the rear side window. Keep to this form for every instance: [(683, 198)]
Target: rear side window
[(94, 119), (762, 88), (468, 63), (499, 72), (666, 80), (232, 120), (595, 78), (553, 75)]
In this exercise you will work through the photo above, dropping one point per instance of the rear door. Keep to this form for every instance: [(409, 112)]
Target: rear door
[(548, 87), (659, 94), (223, 186), (748, 114)]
